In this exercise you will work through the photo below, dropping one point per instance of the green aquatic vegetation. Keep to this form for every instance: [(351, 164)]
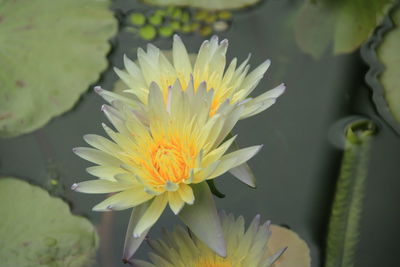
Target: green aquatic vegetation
[(381, 54), (388, 53), (51, 51), (148, 32), (205, 4), (37, 229), (164, 22), (345, 25), (346, 212), (137, 19)]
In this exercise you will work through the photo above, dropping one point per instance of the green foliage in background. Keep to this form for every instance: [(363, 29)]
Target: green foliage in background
[(389, 55), (51, 51), (343, 24), (164, 22), (346, 212), (39, 230), (205, 4)]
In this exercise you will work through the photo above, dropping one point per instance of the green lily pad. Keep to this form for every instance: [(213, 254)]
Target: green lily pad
[(51, 51), (205, 4), (381, 52), (137, 19), (148, 32), (388, 53), (345, 24), (39, 230)]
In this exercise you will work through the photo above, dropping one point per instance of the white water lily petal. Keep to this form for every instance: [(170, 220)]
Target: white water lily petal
[(175, 202), (203, 220), (186, 193), (181, 59), (262, 102), (151, 215), (100, 186), (96, 156), (105, 172), (234, 159), (132, 243), (124, 200), (101, 143)]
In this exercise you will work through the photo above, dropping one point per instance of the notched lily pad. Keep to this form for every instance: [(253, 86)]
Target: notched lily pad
[(39, 230), (206, 4), (381, 52), (51, 51), (343, 24)]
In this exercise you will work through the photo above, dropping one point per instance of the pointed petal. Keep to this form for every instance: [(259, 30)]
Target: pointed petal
[(175, 202), (132, 243), (203, 220), (242, 172), (124, 200), (181, 58), (262, 102), (234, 159), (96, 156), (186, 193), (151, 215), (100, 187)]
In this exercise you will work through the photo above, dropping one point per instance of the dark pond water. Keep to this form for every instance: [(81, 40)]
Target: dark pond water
[(297, 169)]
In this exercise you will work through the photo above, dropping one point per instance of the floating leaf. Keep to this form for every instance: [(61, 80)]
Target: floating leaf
[(205, 4), (206, 30), (155, 19), (382, 54), (51, 51), (148, 32), (345, 24), (39, 230), (297, 253), (138, 19), (165, 31)]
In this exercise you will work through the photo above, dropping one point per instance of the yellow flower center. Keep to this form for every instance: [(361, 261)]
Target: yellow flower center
[(169, 159)]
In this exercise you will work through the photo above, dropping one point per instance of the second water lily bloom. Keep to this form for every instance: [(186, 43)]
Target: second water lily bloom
[(161, 154), (245, 247), (231, 82)]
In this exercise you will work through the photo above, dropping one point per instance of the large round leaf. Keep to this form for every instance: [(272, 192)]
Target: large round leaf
[(51, 51), (343, 24), (39, 230), (206, 4)]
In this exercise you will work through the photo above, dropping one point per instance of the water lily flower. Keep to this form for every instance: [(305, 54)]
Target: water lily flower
[(231, 84), (161, 154), (245, 248), (228, 82)]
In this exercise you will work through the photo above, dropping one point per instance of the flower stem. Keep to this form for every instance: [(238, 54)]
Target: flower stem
[(346, 211)]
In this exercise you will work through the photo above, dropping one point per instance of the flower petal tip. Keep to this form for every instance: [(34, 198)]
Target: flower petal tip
[(74, 186), (98, 89)]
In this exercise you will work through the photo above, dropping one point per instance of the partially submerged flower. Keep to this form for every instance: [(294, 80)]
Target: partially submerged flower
[(233, 83), (162, 153), (245, 248)]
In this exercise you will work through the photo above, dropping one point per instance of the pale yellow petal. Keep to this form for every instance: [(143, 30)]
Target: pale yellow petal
[(124, 200), (186, 193), (152, 214), (234, 159), (175, 202)]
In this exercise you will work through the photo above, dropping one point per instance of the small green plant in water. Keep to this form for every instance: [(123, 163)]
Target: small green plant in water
[(164, 22), (346, 212)]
